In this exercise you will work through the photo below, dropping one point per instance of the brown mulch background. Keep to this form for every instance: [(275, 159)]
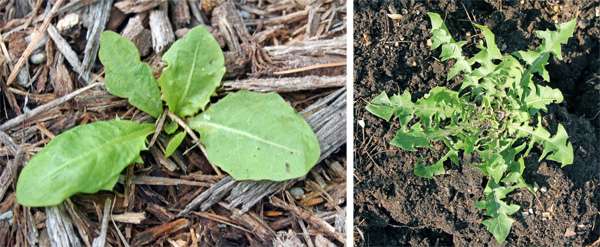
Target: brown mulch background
[(294, 47)]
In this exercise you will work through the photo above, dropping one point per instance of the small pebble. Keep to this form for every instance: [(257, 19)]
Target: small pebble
[(23, 77), (38, 58), (245, 14), (530, 211), (297, 192), (7, 215), (67, 22), (543, 189)]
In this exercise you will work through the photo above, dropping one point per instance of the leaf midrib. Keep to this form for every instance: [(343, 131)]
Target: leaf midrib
[(558, 147), (241, 132), (189, 81), (97, 149)]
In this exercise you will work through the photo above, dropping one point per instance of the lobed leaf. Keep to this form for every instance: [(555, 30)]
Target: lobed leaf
[(255, 136), (84, 159), (551, 42), (540, 96), (500, 223), (437, 168), (450, 48), (384, 107), (415, 137), (126, 76), (195, 69), (562, 150)]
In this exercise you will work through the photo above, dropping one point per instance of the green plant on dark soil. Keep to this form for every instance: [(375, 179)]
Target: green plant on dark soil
[(252, 136), (496, 114)]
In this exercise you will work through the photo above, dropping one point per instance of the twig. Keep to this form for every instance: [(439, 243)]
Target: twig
[(31, 46), (64, 48), (123, 240), (310, 218), (195, 138), (101, 239), (159, 127), (318, 66), (287, 84), (44, 108)]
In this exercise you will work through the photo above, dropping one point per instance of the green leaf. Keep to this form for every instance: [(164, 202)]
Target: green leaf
[(384, 107), (126, 76), (174, 143), (551, 41), (450, 48), (171, 126), (84, 159), (257, 136), (500, 223), (195, 69), (415, 137), (540, 96), (435, 169), (494, 165), (562, 151)]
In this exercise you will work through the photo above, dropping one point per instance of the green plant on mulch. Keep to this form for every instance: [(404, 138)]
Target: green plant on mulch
[(252, 136), (496, 114)]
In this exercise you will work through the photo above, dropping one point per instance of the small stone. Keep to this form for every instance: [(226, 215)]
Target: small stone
[(429, 43), (38, 58), (23, 77), (297, 192), (7, 215), (570, 232), (530, 211), (245, 14), (543, 189), (361, 123), (67, 22)]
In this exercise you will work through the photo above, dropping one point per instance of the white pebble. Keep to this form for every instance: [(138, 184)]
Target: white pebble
[(245, 14), (38, 58), (7, 215), (23, 77), (67, 22)]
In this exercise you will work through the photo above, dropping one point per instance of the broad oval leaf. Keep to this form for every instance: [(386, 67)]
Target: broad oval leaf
[(195, 69), (127, 76), (84, 159), (255, 136)]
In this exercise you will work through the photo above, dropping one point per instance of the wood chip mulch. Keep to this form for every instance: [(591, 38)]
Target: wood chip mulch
[(51, 80)]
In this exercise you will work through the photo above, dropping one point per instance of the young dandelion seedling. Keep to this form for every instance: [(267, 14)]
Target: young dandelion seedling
[(488, 116), (252, 136)]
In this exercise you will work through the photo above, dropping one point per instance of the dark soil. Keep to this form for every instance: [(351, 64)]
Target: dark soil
[(395, 207)]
